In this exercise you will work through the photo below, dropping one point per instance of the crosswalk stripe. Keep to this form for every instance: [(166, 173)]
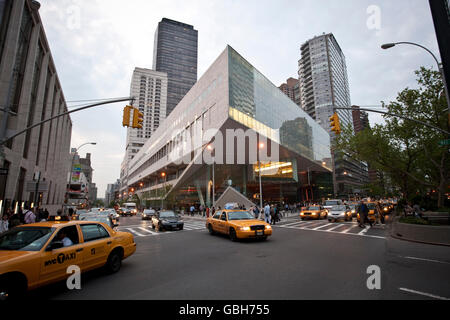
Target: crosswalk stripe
[(364, 231), (146, 230), (334, 228), (323, 226), (292, 223), (135, 232), (348, 229)]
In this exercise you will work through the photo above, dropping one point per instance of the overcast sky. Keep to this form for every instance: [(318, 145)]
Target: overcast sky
[(96, 44)]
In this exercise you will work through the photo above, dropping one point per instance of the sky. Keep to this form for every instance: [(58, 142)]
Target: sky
[(96, 44)]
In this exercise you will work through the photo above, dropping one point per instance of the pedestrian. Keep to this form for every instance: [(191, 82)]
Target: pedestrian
[(213, 211), (256, 212), (4, 223), (207, 212), (192, 210), (14, 219), (267, 213), (30, 217), (363, 214), (417, 210)]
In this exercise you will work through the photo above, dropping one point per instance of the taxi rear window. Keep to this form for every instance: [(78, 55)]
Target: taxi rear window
[(25, 238)]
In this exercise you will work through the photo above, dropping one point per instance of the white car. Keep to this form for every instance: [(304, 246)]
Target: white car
[(148, 214), (339, 212)]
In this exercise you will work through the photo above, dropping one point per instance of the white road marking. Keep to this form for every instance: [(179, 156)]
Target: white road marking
[(334, 228), (323, 226), (428, 260), (135, 232), (364, 231), (146, 230), (348, 229), (424, 294), (293, 223)]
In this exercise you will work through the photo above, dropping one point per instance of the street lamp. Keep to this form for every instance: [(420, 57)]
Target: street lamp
[(71, 165), (260, 147), (164, 175), (211, 149), (439, 64)]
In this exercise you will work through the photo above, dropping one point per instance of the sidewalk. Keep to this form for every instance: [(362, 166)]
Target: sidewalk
[(284, 215)]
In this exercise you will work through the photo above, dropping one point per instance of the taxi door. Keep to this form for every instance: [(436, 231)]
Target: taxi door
[(54, 262), (215, 221), (222, 223), (97, 244)]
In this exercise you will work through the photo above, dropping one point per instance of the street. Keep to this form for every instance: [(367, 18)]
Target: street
[(301, 261)]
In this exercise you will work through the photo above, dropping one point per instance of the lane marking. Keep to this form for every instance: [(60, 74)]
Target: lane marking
[(422, 259), (337, 232), (293, 223), (334, 228), (424, 294)]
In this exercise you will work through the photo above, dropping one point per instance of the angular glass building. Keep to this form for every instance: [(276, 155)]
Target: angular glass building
[(231, 127)]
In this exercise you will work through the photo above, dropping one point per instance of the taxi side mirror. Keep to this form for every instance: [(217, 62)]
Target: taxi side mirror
[(55, 245)]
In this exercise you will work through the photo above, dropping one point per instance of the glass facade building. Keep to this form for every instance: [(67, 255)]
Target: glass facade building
[(233, 108), (175, 53)]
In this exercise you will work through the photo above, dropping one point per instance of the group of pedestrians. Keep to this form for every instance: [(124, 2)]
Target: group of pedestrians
[(28, 215)]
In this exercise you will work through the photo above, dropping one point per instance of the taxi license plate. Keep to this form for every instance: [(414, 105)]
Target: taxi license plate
[(259, 233)]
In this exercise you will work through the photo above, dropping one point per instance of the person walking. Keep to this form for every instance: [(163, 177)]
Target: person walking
[(267, 213), (256, 212), (207, 212), (4, 223), (273, 214), (363, 215), (30, 217), (14, 219)]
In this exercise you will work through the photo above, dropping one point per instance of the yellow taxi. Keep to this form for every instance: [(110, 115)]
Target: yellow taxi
[(313, 212), (238, 224), (37, 254)]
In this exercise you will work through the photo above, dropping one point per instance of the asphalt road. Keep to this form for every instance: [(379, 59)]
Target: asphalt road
[(300, 261)]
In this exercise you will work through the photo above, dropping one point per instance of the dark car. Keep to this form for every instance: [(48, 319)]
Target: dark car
[(167, 220), (148, 214), (126, 212)]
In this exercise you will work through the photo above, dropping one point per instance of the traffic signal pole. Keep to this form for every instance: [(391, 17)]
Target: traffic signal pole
[(398, 116), (2, 142)]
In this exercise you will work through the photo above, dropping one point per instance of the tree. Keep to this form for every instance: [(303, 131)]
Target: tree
[(409, 152)]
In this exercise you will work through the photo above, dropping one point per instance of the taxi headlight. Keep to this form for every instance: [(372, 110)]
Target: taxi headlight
[(245, 228), (353, 211), (268, 227)]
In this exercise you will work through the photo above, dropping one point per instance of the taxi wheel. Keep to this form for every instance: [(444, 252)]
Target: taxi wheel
[(12, 288), (153, 226), (233, 236), (114, 262), (210, 229)]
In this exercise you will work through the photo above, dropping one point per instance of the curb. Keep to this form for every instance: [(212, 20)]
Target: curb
[(393, 233)]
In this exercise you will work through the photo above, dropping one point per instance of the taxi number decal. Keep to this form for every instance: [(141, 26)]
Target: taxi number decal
[(60, 259)]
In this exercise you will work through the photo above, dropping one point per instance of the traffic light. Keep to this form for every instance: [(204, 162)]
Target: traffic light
[(138, 119), (334, 123), (126, 116)]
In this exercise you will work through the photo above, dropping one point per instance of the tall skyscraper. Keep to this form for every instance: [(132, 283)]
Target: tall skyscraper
[(150, 89), (175, 52), (323, 88)]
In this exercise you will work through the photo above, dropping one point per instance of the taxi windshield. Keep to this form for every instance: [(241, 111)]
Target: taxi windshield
[(338, 208), (313, 208), (25, 238), (240, 215)]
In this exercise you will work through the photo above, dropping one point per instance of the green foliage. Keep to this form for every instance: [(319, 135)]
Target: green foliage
[(405, 150)]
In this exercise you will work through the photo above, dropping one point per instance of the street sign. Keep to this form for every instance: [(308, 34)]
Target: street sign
[(444, 142), (31, 186)]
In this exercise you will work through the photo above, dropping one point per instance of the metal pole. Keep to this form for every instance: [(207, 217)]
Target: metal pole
[(214, 183), (260, 188), (3, 141)]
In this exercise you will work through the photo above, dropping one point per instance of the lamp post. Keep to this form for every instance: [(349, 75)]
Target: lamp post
[(71, 165), (211, 149), (260, 147), (164, 175), (439, 65)]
